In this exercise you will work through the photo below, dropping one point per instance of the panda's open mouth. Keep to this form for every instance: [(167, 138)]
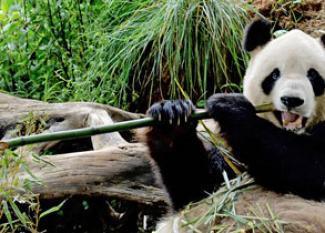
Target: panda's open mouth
[(291, 121)]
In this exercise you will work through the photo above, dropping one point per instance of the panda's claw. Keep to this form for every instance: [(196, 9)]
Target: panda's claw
[(172, 112), (168, 112), (188, 108), (178, 110), (155, 111)]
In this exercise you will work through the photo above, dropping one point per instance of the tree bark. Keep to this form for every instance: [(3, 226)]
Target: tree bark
[(118, 171)]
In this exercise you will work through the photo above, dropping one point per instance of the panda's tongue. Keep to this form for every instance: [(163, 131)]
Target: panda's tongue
[(291, 121)]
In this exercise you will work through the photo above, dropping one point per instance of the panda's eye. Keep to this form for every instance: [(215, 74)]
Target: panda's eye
[(269, 81), (316, 81), (275, 74)]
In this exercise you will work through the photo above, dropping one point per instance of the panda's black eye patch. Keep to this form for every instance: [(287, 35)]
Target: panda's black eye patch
[(269, 81), (317, 81)]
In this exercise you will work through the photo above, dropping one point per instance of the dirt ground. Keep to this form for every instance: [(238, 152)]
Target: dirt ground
[(307, 15)]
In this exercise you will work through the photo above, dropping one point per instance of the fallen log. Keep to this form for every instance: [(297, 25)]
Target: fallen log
[(118, 171), (111, 167)]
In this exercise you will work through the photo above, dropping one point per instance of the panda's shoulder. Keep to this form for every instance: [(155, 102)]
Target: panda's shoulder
[(317, 130)]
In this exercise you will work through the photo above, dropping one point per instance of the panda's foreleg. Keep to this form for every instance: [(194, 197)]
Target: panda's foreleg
[(180, 155), (278, 159)]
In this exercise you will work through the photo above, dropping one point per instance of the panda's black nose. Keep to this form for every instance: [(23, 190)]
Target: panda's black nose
[(291, 102)]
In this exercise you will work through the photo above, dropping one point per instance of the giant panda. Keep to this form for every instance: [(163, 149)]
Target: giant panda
[(284, 150)]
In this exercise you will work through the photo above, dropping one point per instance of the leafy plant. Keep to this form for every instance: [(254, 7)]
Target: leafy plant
[(15, 194), (42, 47), (124, 53), (146, 47), (19, 207)]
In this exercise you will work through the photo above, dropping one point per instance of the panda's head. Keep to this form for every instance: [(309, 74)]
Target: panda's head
[(289, 72)]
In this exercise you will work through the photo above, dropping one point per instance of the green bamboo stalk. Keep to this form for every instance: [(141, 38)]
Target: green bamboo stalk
[(86, 132)]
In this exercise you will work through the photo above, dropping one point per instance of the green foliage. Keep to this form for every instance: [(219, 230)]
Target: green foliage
[(19, 206), (14, 190), (42, 47), (120, 52), (151, 46), (52, 210)]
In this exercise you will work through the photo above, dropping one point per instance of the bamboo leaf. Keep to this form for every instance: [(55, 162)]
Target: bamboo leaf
[(7, 213), (52, 210), (21, 216)]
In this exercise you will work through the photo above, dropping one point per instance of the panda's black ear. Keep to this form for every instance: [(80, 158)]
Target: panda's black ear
[(258, 33), (322, 39)]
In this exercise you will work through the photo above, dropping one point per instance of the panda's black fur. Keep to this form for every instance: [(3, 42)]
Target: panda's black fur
[(257, 34), (317, 81), (189, 170), (278, 159)]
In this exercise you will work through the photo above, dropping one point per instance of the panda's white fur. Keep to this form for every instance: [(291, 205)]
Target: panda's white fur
[(293, 53)]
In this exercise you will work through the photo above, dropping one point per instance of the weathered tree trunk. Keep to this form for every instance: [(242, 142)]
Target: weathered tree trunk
[(118, 171), (112, 167)]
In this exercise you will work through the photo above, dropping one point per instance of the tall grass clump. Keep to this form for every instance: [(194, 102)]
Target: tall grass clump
[(148, 48)]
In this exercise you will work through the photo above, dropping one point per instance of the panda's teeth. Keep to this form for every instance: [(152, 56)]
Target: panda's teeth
[(291, 121), (294, 125)]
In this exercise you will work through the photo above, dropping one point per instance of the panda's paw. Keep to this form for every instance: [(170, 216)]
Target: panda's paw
[(230, 109), (172, 113)]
